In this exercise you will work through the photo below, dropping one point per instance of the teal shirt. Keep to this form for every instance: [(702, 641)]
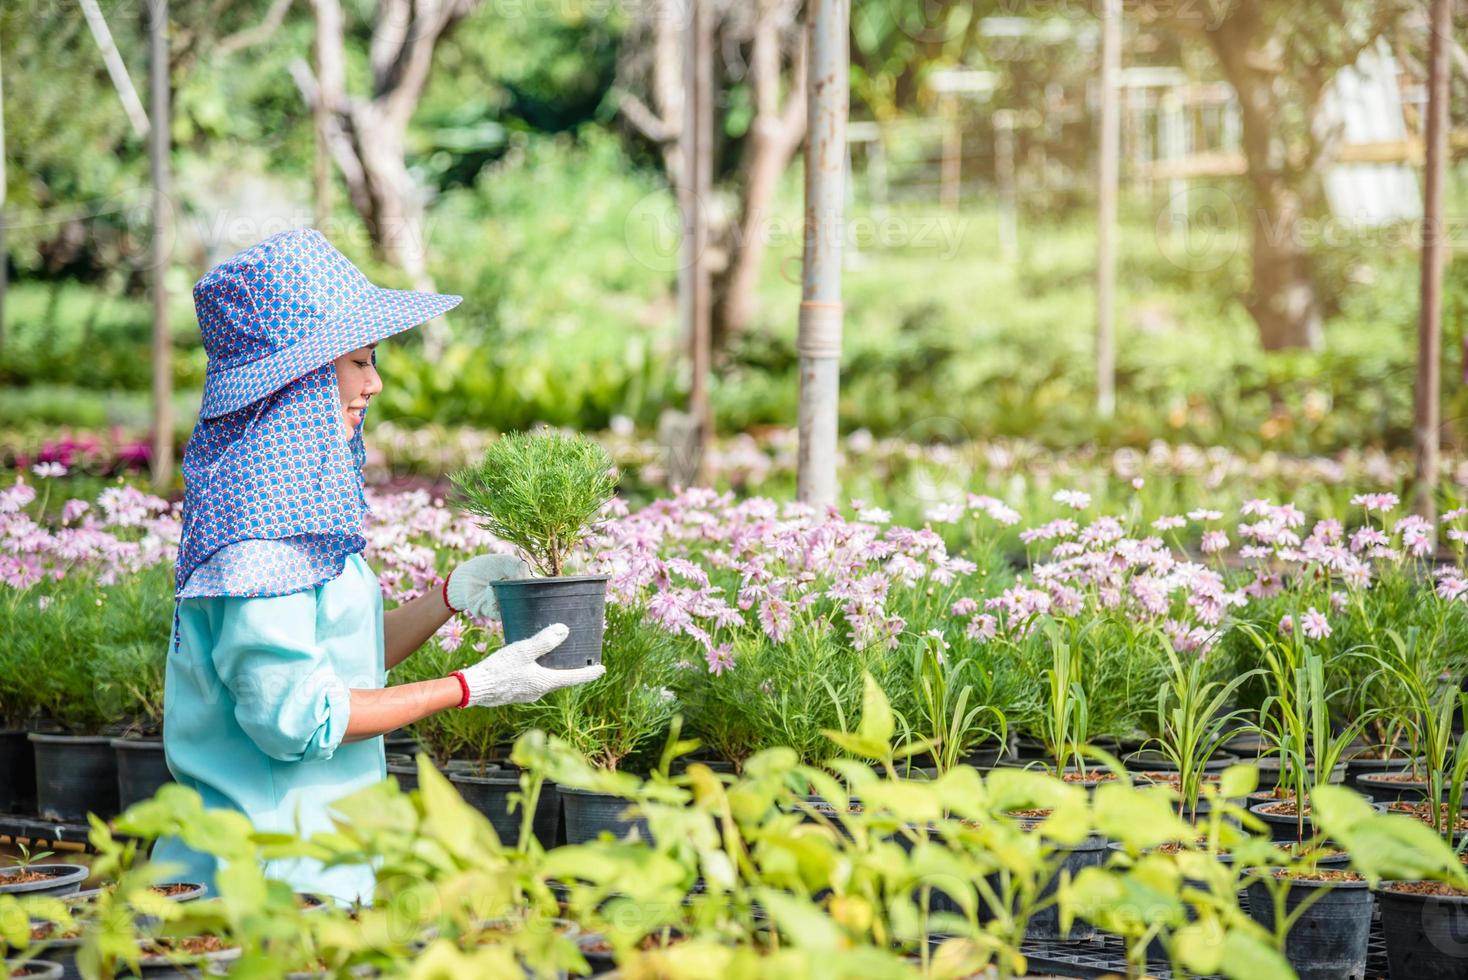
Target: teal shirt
[(255, 706)]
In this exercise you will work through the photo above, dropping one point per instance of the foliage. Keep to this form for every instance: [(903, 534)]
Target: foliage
[(540, 492), (629, 708)]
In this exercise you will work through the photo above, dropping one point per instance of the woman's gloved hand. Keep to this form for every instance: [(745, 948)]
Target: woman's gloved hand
[(467, 589), (510, 675)]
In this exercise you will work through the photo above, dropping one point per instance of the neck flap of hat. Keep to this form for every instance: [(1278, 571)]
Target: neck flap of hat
[(273, 495)]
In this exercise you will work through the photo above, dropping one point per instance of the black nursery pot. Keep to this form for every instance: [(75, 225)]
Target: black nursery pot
[(1329, 940), (1382, 788), (1045, 924), (490, 795), (34, 969), (1426, 935), (529, 605), (589, 813), (1285, 827), (17, 773), (1357, 768), (61, 880), (75, 775), (141, 769)]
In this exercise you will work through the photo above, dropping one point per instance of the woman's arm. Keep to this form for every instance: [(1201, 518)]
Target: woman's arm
[(379, 711), (407, 627)]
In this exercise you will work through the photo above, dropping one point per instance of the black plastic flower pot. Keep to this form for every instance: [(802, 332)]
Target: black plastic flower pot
[(589, 813), (1045, 924), (75, 775), (529, 605), (1356, 768), (34, 970), (490, 795), (1286, 827), (406, 774), (185, 966), (1392, 787), (1268, 766), (1328, 941), (1426, 934), (60, 880), (17, 773), (1149, 760), (141, 769)]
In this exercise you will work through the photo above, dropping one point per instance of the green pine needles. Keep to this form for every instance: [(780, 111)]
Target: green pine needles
[(540, 492)]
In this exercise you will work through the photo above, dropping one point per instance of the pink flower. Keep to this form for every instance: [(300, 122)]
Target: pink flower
[(1205, 515), (1074, 499), (45, 470), (451, 634), (1314, 624), (965, 607), (774, 618), (1286, 624), (1375, 501), (982, 627), (720, 659), (1213, 541)]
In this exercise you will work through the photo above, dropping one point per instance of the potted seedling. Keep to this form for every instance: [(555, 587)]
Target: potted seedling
[(26, 877), (542, 493)]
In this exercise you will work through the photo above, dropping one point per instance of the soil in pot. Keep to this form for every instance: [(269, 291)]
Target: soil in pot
[(188, 956), (598, 949), (33, 970), (529, 605), (1283, 821), (1329, 940), (17, 773), (1389, 787), (1422, 810), (53, 880), (1369, 764), (588, 814), (1425, 926), (141, 769), (75, 775)]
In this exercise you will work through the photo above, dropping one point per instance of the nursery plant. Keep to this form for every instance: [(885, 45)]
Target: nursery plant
[(542, 492), (951, 710), (1195, 716)]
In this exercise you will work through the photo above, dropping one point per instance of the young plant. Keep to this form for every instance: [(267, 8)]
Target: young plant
[(629, 708), (943, 689), (1192, 722), (540, 492), (1065, 723)]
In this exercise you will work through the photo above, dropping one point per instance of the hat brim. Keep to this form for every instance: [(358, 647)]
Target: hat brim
[(382, 314)]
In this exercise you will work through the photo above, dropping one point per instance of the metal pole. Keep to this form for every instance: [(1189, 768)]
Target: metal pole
[(158, 146), (1429, 323), (819, 338), (698, 140), (1106, 211), (1005, 178), (4, 269)]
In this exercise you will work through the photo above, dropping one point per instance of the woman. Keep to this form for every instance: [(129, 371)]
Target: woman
[(275, 684)]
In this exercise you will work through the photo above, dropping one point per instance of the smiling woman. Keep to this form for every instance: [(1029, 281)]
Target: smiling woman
[(276, 693), (357, 381)]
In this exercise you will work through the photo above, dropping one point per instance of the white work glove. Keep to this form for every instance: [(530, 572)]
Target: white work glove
[(468, 587), (510, 675)]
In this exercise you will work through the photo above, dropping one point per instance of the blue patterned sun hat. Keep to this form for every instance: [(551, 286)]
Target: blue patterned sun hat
[(273, 490), (288, 305)]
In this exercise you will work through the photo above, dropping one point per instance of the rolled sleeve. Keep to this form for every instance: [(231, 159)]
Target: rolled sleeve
[(288, 698)]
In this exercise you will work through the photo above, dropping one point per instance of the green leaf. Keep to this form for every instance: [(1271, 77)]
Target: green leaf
[(1238, 781), (803, 924), (877, 724)]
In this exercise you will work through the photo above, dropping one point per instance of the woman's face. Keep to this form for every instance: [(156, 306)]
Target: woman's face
[(356, 381)]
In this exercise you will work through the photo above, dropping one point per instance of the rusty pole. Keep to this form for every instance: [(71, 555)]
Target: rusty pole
[(1429, 320), (819, 338), (1107, 171), (158, 153)]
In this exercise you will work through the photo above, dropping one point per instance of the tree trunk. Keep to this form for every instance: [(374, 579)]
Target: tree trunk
[(1284, 189), (774, 136)]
